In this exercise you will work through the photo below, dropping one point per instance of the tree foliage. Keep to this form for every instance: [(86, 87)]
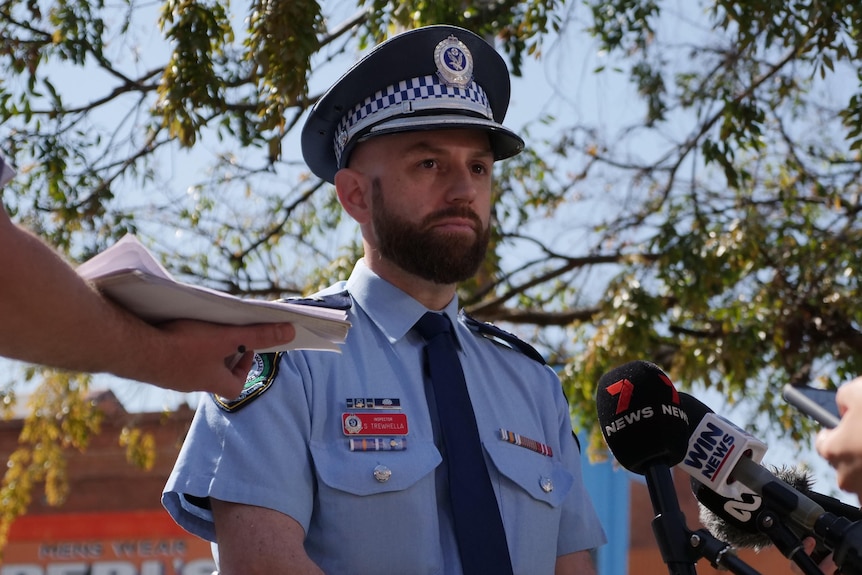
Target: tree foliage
[(713, 230)]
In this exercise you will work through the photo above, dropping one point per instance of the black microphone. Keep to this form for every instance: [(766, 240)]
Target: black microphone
[(751, 522), (644, 427), (802, 482), (639, 412), (735, 476)]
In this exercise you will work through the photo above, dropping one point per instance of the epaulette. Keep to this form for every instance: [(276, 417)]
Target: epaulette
[(340, 300), (503, 337)]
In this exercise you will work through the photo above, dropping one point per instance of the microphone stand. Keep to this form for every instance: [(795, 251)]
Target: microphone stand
[(719, 553), (845, 538), (680, 547), (669, 526), (787, 542)]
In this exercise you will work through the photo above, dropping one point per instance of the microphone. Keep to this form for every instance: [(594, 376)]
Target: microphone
[(743, 522), (746, 480), (645, 428), (715, 447), (733, 464), (751, 522), (732, 520), (745, 519), (639, 412)]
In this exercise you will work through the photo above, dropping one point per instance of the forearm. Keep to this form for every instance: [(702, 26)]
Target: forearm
[(51, 316), (577, 563), (254, 540)]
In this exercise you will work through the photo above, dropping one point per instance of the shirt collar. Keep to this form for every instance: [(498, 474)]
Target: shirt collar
[(392, 310)]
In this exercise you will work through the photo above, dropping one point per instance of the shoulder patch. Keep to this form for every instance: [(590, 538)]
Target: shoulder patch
[(502, 337), (259, 379), (340, 300)]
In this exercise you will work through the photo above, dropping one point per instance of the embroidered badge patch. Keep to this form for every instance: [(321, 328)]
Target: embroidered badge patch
[(260, 377)]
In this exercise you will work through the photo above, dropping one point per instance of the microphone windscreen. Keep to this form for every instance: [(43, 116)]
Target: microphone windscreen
[(639, 412), (732, 521), (735, 520)]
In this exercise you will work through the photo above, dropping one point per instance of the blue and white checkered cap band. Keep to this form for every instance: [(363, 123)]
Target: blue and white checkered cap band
[(408, 97)]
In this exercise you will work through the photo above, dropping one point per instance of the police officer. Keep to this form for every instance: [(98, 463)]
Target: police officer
[(346, 463)]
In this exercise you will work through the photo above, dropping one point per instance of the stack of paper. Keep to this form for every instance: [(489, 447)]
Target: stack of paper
[(130, 275)]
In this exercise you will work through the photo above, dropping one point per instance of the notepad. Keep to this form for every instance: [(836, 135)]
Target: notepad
[(128, 274)]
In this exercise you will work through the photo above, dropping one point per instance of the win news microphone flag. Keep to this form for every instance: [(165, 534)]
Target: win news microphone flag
[(745, 520), (838, 533)]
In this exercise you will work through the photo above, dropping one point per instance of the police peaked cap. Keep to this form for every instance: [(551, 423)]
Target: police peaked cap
[(430, 78)]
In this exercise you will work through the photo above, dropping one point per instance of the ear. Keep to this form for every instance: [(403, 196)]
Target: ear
[(354, 191)]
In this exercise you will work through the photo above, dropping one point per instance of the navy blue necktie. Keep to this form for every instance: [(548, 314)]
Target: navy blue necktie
[(476, 517)]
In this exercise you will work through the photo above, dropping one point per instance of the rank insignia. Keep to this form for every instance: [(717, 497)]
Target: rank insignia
[(374, 423), (259, 378)]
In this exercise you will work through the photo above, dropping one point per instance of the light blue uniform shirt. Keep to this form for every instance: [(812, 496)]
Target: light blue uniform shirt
[(288, 450)]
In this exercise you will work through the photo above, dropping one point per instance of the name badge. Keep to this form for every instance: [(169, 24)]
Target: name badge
[(374, 423)]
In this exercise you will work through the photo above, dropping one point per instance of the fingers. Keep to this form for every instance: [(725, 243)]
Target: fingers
[(827, 565), (263, 336), (238, 363), (201, 356), (241, 364)]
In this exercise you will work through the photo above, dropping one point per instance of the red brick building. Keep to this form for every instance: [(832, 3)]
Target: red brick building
[(112, 522)]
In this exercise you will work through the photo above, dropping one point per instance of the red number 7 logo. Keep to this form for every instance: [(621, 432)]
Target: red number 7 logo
[(623, 388)]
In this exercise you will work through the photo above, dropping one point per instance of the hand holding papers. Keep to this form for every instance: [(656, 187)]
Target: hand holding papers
[(128, 274)]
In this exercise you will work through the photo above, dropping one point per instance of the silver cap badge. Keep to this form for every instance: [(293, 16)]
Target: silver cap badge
[(454, 62)]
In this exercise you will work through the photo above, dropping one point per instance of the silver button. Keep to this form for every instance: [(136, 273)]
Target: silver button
[(546, 484), (382, 473)]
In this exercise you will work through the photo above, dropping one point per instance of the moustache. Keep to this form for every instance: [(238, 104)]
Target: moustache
[(453, 212)]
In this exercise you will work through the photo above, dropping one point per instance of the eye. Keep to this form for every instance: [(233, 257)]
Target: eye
[(479, 168), (428, 163)]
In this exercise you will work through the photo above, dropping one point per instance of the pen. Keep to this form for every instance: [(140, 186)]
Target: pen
[(235, 358)]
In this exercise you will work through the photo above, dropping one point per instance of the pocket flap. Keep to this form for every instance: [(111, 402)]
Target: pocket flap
[(543, 477), (360, 472)]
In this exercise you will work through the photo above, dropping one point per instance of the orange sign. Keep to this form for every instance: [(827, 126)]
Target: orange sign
[(131, 543)]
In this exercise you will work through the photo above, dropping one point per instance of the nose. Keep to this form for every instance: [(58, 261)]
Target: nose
[(461, 185)]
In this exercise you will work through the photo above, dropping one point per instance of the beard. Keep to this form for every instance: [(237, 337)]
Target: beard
[(424, 252)]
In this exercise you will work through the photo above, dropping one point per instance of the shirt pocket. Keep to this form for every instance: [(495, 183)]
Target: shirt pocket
[(364, 473), (543, 478), (364, 525)]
